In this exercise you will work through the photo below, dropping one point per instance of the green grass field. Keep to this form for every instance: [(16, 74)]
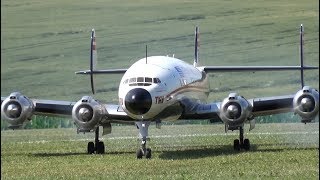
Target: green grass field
[(44, 42), (279, 151)]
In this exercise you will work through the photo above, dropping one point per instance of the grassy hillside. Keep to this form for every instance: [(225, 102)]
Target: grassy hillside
[(44, 42)]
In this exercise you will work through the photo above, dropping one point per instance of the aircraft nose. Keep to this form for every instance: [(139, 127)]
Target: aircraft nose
[(138, 101)]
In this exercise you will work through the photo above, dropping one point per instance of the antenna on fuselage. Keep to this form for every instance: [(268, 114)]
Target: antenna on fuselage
[(146, 54)]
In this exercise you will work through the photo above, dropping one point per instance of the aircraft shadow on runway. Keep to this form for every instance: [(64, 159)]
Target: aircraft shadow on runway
[(197, 152), (194, 152)]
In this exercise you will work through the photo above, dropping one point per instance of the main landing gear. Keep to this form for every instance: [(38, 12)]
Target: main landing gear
[(143, 133), (241, 143), (96, 146)]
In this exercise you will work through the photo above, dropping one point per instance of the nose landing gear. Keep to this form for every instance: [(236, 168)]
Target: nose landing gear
[(144, 151), (143, 133)]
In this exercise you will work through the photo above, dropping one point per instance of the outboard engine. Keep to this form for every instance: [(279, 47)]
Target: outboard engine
[(17, 110), (306, 104)]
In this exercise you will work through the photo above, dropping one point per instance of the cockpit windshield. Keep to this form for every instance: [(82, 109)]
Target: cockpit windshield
[(141, 81)]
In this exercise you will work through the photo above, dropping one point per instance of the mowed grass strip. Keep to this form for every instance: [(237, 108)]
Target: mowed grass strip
[(286, 151)]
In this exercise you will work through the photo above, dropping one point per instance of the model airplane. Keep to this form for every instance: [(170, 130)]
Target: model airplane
[(160, 88)]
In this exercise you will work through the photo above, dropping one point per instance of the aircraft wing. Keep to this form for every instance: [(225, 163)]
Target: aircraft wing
[(272, 105), (235, 110), (261, 107), (113, 112), (86, 112), (53, 108)]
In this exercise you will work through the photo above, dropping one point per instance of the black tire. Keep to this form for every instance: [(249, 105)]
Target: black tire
[(236, 145), (100, 148), (139, 154), (148, 153), (246, 144), (90, 149)]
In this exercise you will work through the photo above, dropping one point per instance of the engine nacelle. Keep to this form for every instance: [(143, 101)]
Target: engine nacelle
[(16, 110), (306, 103), (235, 110), (87, 113)]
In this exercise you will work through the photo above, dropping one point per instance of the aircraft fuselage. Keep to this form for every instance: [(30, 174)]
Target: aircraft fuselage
[(152, 89)]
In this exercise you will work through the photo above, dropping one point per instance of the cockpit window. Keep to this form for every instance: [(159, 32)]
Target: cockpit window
[(132, 80), (140, 79), (156, 80), (148, 79)]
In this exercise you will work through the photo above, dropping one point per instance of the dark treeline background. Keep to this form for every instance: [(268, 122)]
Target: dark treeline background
[(42, 122)]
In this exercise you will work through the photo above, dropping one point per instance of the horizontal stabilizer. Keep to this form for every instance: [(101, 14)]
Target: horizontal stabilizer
[(108, 71), (212, 69)]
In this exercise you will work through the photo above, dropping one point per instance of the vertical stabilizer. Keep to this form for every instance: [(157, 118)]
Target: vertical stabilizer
[(196, 47), (301, 54), (146, 54), (93, 57)]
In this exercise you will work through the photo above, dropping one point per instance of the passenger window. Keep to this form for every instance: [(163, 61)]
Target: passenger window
[(126, 81)]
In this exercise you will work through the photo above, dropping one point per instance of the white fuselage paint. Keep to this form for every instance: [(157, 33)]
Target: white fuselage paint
[(178, 80)]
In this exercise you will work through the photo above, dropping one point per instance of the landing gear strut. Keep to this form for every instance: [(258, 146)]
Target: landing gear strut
[(96, 147), (241, 143), (143, 133)]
